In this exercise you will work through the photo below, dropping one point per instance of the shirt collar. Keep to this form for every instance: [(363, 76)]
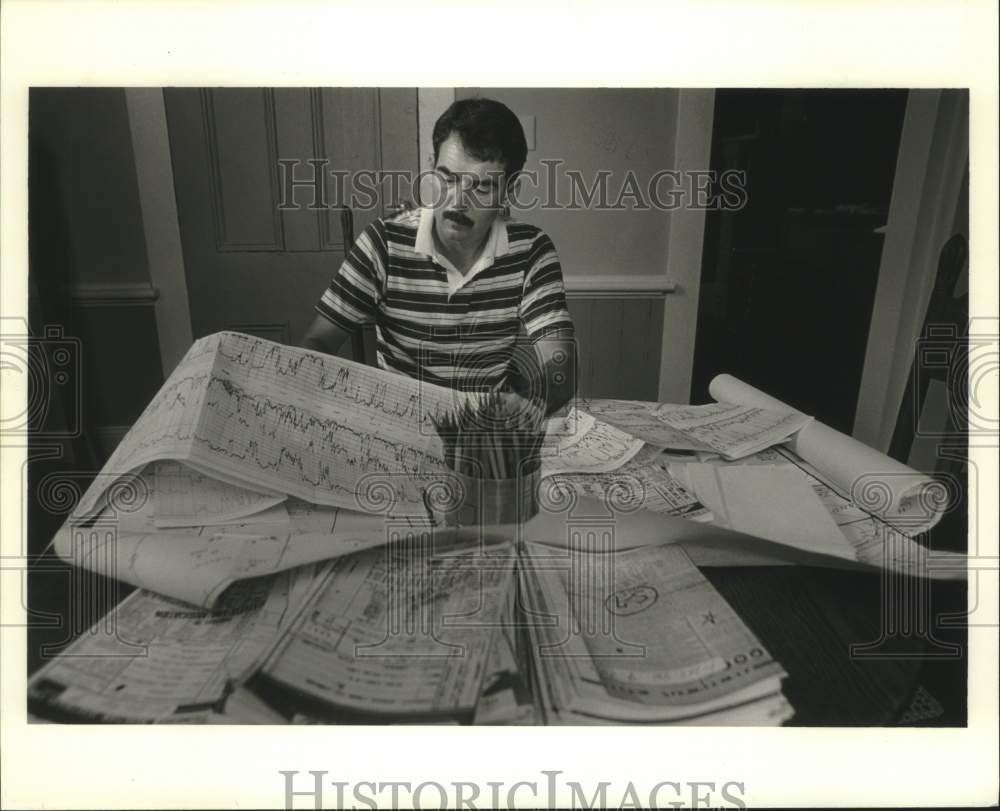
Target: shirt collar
[(496, 245)]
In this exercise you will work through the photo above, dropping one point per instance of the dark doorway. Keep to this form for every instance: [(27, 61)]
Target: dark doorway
[(788, 281)]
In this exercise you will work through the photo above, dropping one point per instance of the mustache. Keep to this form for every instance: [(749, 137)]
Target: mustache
[(461, 219)]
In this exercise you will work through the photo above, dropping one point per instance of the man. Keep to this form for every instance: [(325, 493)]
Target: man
[(450, 285)]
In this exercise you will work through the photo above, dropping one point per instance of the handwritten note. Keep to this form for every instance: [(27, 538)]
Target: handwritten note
[(580, 443), (641, 420)]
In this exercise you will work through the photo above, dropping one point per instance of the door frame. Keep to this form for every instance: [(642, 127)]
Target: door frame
[(685, 248), (154, 173), (926, 195)]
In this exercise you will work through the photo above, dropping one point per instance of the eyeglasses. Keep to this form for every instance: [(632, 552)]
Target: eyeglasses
[(477, 191)]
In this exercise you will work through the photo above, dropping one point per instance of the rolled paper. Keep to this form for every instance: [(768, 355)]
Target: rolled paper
[(906, 498)]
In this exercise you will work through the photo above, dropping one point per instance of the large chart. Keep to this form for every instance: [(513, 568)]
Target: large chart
[(285, 421), (279, 419)]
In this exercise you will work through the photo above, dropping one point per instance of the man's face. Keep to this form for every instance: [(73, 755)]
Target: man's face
[(470, 194)]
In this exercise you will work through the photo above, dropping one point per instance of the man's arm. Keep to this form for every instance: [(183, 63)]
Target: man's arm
[(352, 299), (325, 336), (546, 370)]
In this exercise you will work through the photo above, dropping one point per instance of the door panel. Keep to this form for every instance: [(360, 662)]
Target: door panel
[(250, 265), (239, 133)]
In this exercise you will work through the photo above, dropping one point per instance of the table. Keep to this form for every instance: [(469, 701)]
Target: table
[(809, 619)]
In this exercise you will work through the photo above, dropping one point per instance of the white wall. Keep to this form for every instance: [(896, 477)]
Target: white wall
[(600, 129), (431, 102)]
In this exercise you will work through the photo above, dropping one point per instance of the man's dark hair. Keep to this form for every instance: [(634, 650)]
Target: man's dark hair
[(489, 131)]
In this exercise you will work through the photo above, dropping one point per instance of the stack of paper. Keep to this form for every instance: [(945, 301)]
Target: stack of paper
[(642, 637), (245, 428), (505, 697), (153, 659), (431, 629), (403, 632)]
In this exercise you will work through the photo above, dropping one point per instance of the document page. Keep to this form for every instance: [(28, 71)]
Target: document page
[(579, 443), (640, 419), (403, 630), (197, 564), (285, 420), (644, 482), (731, 429), (154, 659), (640, 636)]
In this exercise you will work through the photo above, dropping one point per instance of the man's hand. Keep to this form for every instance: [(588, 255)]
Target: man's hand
[(522, 410)]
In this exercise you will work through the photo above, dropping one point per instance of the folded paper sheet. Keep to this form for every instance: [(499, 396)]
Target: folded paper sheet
[(566, 516), (774, 503), (198, 564), (641, 421), (580, 443), (187, 498), (732, 430)]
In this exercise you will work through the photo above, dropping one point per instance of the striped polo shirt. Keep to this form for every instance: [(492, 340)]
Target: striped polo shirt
[(436, 324)]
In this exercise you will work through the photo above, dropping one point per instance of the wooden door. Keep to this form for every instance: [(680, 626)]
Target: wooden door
[(251, 265)]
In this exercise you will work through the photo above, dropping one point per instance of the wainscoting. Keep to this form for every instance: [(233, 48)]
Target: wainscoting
[(619, 329), (120, 357)]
